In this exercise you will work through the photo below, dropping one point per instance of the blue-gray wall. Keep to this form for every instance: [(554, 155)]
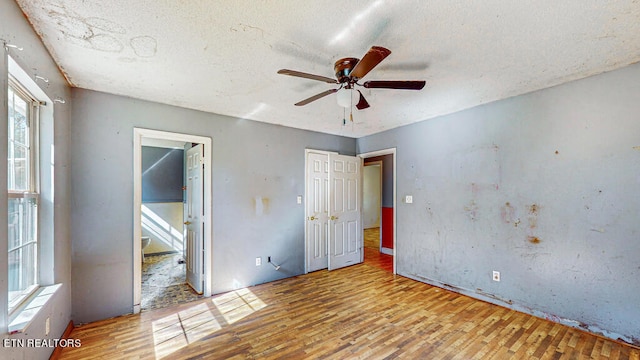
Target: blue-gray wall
[(35, 60), (162, 174), (250, 159), (541, 187)]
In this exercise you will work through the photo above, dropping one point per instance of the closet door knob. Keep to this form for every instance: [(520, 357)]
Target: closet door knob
[(187, 222)]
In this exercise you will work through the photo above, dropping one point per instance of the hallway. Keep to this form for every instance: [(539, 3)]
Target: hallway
[(372, 254)]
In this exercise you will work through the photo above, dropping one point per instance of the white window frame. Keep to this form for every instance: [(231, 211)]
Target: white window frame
[(33, 191)]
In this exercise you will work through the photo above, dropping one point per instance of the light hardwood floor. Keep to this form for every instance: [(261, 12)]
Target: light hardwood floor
[(372, 237), (372, 254), (360, 312)]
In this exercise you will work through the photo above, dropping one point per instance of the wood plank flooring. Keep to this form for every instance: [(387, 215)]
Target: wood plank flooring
[(359, 312), (372, 254), (371, 238), (374, 257)]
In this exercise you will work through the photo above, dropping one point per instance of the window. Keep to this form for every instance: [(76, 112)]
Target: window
[(22, 193)]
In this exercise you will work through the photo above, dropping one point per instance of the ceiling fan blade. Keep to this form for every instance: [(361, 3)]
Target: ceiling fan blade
[(362, 103), (307, 76), (372, 58), (401, 85), (316, 97)]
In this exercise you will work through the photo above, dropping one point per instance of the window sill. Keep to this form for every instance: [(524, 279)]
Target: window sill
[(23, 317)]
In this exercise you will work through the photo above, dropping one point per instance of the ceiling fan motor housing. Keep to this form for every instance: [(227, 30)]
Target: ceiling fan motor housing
[(343, 69)]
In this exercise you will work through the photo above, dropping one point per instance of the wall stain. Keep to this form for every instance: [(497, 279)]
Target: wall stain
[(144, 46), (105, 42), (475, 189), (578, 324), (533, 215), (508, 213), (495, 297), (533, 256), (429, 211), (246, 28), (534, 239), (105, 25), (451, 287), (98, 33), (261, 205), (72, 28), (472, 210)]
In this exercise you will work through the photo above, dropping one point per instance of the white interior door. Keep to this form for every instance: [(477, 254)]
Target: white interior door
[(345, 211), (317, 211), (194, 218)]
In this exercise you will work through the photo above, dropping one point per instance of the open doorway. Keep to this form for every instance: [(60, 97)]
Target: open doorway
[(379, 200), (172, 232), (372, 215), (164, 271)]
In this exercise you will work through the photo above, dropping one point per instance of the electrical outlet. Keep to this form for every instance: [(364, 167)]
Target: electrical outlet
[(299, 199), (47, 327), (258, 261), (408, 199), (496, 275)]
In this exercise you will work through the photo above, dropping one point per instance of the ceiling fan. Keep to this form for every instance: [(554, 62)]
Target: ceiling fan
[(349, 71)]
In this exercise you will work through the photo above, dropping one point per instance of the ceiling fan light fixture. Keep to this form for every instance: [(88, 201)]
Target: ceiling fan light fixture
[(344, 97)]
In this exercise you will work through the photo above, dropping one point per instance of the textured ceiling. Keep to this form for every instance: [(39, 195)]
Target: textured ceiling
[(222, 56)]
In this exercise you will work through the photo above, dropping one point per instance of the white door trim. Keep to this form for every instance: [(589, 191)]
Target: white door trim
[(390, 151), (138, 134)]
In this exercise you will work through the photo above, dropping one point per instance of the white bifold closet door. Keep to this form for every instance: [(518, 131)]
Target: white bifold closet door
[(334, 211)]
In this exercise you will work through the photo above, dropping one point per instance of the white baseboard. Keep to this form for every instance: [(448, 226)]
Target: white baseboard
[(387, 251)]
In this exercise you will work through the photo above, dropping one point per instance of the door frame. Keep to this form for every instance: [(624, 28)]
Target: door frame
[(389, 151), (138, 135)]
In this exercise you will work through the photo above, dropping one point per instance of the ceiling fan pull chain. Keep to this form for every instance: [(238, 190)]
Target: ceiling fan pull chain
[(351, 107)]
